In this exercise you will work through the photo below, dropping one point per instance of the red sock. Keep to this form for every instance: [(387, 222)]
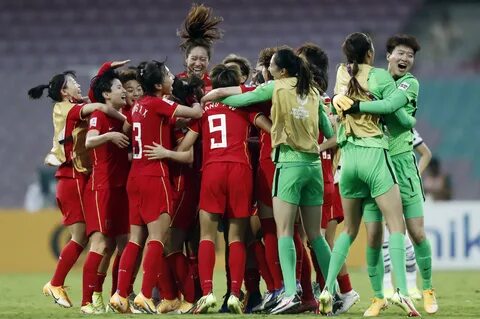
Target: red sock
[(306, 277), (90, 269), (318, 272), (136, 268), (126, 268), (269, 230), (206, 253), (252, 278), (152, 264), (297, 240), (166, 281), (99, 282), (67, 259), (262, 265), (236, 262), (344, 283), (178, 263), (116, 263)]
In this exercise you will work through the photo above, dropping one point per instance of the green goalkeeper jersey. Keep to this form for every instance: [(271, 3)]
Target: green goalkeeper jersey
[(401, 139)]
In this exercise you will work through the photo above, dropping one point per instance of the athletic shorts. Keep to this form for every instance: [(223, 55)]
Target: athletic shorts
[(185, 203), (106, 211), (332, 205), (70, 199), (227, 189), (411, 190), (366, 172), (298, 183), (264, 181), (148, 198)]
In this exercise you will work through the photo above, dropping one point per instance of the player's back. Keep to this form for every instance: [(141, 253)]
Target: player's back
[(150, 123), (224, 133)]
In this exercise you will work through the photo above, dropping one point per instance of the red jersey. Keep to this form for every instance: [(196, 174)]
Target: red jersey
[(151, 117), (207, 82), (127, 111), (326, 156), (74, 119), (225, 133), (110, 163)]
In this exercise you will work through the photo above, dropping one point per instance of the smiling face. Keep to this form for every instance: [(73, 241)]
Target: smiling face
[(134, 91), (197, 61), (71, 90), (400, 61), (117, 97)]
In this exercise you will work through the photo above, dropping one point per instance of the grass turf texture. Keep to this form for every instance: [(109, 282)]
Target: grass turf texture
[(21, 297)]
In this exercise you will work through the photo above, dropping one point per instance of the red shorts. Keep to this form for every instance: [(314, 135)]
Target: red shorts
[(70, 199), (264, 182), (332, 205), (148, 198), (185, 203), (227, 189), (106, 211)]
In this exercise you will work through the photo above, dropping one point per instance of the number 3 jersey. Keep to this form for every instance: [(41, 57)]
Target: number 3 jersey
[(224, 133), (151, 123)]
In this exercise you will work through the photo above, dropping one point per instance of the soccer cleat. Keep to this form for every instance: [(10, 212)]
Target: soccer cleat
[(348, 300), (325, 302), (144, 304), (287, 305), (205, 303), (185, 307), (415, 294), (234, 305), (90, 309), (308, 306), (274, 300), (131, 299), (58, 294), (97, 301), (299, 289), (251, 301), (388, 293), (166, 306), (405, 303), (119, 304), (377, 305), (316, 289), (430, 301)]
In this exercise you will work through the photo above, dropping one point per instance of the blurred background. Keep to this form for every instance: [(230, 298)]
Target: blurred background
[(39, 38)]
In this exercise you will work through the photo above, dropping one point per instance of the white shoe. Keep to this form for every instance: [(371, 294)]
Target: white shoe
[(205, 303), (348, 300), (287, 305), (405, 303)]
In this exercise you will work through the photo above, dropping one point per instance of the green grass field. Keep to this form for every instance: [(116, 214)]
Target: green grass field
[(458, 297)]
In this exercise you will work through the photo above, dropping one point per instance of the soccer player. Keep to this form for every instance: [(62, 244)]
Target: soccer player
[(106, 203), (297, 114), (401, 50), (332, 212), (148, 186), (226, 187), (70, 127), (366, 166)]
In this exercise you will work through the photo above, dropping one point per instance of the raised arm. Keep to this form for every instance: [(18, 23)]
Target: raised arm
[(220, 93), (261, 94), (87, 109)]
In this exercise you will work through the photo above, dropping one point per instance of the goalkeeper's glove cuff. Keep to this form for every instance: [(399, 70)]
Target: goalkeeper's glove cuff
[(355, 108)]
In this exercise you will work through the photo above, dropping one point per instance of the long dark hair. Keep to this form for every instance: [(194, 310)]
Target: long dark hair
[(103, 83), (318, 62), (355, 48), (55, 87), (286, 59), (200, 28), (224, 76), (151, 73)]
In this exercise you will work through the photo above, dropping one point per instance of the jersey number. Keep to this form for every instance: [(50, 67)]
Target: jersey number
[(137, 136), (220, 127)]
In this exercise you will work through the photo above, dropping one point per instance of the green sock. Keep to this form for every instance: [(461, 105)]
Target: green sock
[(322, 253), (397, 256), (423, 253), (376, 270), (288, 260), (339, 254)]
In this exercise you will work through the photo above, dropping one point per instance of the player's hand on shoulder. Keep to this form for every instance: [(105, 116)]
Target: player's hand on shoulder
[(117, 64)]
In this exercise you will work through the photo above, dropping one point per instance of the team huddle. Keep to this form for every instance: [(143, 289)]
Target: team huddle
[(151, 165)]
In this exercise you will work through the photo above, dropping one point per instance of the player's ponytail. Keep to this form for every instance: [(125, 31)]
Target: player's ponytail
[(55, 87), (355, 48), (200, 28), (151, 73)]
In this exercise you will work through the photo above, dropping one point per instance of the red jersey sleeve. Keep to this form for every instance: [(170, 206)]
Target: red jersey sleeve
[(75, 113), (165, 107), (98, 121), (104, 68), (195, 126)]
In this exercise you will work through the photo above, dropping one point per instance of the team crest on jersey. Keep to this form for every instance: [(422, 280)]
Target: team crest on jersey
[(93, 121), (168, 101), (300, 112), (404, 86)]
